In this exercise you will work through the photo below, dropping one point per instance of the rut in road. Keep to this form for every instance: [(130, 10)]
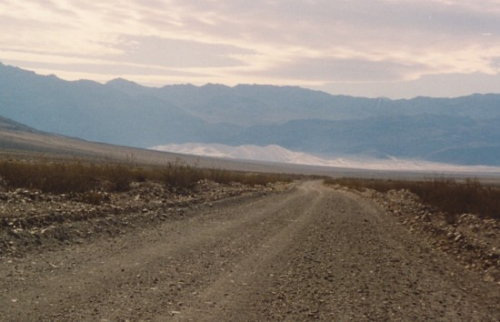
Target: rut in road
[(307, 254)]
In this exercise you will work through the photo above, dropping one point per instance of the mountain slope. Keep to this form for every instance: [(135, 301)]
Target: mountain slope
[(460, 130), (421, 137), (20, 140), (9, 125), (248, 105), (92, 111)]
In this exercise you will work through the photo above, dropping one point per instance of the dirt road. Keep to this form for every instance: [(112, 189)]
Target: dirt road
[(307, 254)]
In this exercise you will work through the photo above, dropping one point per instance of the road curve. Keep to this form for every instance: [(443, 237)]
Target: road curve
[(312, 253)]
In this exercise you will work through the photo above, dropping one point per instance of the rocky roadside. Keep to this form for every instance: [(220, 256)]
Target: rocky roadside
[(472, 241), (31, 220)]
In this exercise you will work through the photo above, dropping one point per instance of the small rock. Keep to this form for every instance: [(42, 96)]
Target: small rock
[(488, 278)]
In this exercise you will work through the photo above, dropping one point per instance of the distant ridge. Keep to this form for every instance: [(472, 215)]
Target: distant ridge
[(461, 130)]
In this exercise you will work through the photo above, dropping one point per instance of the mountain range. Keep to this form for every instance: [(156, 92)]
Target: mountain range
[(463, 130)]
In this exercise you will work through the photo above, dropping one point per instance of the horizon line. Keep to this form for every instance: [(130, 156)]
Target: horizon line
[(243, 84)]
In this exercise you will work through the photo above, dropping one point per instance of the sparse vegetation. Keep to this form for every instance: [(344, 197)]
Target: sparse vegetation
[(81, 177), (449, 196)]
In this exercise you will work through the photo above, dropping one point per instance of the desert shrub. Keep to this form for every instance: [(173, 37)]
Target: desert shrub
[(119, 176), (57, 178), (222, 176), (446, 195), (65, 177), (80, 177), (181, 176)]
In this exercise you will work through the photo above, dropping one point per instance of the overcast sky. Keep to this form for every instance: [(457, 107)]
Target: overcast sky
[(393, 48)]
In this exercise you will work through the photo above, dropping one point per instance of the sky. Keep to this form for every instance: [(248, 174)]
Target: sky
[(390, 48)]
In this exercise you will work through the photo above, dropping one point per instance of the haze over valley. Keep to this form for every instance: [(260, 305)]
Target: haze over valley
[(276, 153)]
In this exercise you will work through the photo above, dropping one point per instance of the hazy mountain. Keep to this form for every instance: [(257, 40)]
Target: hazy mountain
[(430, 137), (95, 112), (248, 105), (462, 130)]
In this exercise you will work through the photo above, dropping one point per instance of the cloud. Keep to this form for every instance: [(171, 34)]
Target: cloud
[(495, 64), (178, 53), (347, 70), (302, 42)]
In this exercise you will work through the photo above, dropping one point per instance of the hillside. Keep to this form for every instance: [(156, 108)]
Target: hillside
[(8, 124)]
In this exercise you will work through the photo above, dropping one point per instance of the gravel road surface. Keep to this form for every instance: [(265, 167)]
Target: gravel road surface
[(312, 253)]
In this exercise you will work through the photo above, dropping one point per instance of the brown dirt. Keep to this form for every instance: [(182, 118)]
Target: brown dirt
[(471, 240), (306, 254)]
